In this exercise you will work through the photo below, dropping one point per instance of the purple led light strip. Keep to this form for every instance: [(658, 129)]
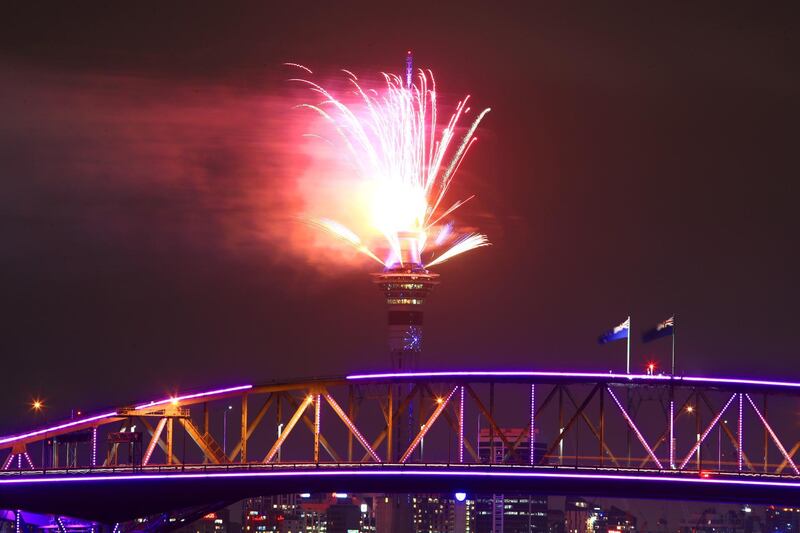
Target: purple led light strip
[(154, 441), (774, 436), (532, 433), (193, 396), (635, 429), (94, 446), (10, 458), (406, 472), (427, 426), (335, 406), (6, 440), (740, 435), (672, 434), (461, 426), (705, 433), (594, 375)]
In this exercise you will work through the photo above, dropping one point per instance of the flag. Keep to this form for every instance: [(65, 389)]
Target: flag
[(662, 329), (620, 332)]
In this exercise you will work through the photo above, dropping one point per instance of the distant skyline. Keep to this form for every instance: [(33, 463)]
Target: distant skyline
[(637, 161)]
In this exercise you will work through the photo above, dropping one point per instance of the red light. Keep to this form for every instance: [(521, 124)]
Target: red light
[(705, 475)]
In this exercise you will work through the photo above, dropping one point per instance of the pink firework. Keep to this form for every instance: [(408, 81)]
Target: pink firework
[(407, 162)]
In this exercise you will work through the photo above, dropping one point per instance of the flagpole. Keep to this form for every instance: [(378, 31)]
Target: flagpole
[(628, 358)]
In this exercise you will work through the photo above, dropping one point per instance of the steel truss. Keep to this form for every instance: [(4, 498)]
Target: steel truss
[(628, 422)]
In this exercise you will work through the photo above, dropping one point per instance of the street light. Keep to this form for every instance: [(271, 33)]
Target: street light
[(422, 446), (719, 445), (37, 405), (280, 430), (225, 429)]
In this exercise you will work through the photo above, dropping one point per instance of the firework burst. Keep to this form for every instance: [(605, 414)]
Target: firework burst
[(392, 137)]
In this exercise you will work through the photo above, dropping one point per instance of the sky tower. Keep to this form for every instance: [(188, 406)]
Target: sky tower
[(405, 284)]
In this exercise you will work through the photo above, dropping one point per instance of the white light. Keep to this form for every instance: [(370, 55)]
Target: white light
[(364, 508), (340, 494), (305, 495), (461, 496)]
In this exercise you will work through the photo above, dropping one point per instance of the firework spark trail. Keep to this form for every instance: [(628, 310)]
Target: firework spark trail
[(392, 137)]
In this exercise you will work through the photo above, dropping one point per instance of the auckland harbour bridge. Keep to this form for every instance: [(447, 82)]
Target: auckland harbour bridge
[(595, 434)]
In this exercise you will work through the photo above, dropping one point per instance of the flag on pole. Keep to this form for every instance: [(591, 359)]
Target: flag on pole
[(662, 329), (618, 333)]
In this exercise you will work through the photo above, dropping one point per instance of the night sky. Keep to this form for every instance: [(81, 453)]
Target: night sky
[(637, 160)]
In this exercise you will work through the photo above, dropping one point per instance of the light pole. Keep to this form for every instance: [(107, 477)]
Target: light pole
[(225, 430), (280, 430), (422, 446), (719, 445), (37, 405)]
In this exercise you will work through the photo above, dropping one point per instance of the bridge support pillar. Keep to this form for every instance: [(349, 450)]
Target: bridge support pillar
[(244, 428), (170, 427)]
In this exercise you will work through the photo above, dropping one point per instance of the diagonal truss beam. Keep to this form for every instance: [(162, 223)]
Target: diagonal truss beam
[(400, 409), (591, 427), (289, 427), (572, 420), (151, 447), (733, 438), (665, 435), (635, 429), (772, 434), (485, 412), (511, 452), (211, 450), (454, 426), (706, 432), (8, 460), (351, 426), (253, 425), (311, 425), (791, 454), (431, 420), (161, 444)]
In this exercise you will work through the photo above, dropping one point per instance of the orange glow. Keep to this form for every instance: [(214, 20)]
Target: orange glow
[(37, 405)]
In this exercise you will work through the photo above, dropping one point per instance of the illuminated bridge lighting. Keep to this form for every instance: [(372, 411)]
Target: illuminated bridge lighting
[(177, 399), (659, 378), (405, 471), (73, 423)]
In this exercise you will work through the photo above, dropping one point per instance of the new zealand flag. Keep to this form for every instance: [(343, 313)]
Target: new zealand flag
[(620, 332), (662, 329)]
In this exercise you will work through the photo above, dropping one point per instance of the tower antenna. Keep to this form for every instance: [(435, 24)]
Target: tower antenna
[(409, 69)]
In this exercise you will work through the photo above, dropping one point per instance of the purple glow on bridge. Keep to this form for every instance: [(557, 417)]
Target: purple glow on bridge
[(178, 399), (660, 378), (635, 429), (772, 434), (404, 471), (65, 425), (702, 438)]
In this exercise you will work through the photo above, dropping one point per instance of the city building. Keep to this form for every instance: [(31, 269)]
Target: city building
[(782, 519), (509, 513), (216, 522)]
